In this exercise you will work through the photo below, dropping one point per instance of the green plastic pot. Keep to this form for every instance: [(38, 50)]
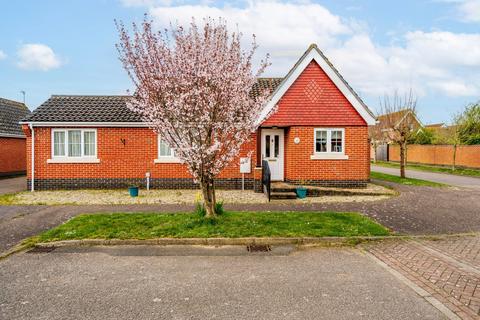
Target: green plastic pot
[(133, 191), (301, 192)]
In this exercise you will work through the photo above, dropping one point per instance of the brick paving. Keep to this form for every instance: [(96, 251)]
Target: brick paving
[(448, 269)]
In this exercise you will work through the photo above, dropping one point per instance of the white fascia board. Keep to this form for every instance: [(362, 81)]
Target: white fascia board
[(315, 55), (87, 124), (8, 135)]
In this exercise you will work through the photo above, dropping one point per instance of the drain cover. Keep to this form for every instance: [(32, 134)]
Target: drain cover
[(259, 248), (41, 250)]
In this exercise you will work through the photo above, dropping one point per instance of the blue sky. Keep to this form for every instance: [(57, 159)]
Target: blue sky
[(67, 47)]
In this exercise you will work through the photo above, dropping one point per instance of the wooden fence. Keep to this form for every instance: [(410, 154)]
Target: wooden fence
[(467, 156)]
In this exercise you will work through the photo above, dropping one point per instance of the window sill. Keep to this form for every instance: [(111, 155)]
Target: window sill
[(167, 160), (329, 156), (73, 160)]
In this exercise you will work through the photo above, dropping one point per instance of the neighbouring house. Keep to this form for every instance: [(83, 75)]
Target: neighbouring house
[(319, 136), (379, 141), (12, 138)]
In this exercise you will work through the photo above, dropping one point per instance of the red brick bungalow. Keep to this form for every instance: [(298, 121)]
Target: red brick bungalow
[(319, 134), (12, 140)]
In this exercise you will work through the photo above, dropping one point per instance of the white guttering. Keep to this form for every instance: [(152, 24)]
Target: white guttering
[(32, 173), (87, 124)]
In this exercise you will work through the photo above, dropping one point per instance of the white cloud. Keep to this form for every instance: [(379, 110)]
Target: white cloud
[(469, 10), (3, 55), (441, 63), (35, 56)]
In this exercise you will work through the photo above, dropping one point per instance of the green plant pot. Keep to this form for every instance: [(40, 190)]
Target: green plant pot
[(301, 192), (133, 191)]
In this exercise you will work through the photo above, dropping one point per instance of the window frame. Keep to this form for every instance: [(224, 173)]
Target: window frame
[(73, 159), (165, 159), (329, 154)]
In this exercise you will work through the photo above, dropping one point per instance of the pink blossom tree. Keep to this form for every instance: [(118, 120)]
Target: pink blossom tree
[(193, 87)]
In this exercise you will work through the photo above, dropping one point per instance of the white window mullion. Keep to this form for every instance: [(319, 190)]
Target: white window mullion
[(329, 140), (66, 142), (82, 143)]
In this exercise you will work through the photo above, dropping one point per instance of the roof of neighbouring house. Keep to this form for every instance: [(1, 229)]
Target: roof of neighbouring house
[(435, 125), (83, 108), (397, 116), (11, 112)]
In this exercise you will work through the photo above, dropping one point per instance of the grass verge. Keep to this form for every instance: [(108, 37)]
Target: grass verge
[(229, 225), (421, 167), (7, 199), (406, 181)]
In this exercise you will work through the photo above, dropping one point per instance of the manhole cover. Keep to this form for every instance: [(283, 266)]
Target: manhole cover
[(259, 248), (41, 250)]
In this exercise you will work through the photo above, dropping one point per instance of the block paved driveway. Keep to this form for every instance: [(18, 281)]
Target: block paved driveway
[(447, 269)]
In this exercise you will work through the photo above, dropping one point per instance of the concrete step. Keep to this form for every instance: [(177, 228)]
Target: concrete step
[(283, 189), (283, 195)]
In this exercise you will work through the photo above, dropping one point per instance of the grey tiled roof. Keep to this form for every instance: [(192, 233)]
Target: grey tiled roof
[(71, 108), (262, 84), (11, 112)]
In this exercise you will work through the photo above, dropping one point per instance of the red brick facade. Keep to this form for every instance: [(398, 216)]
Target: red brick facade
[(118, 160), (12, 156), (312, 101), (299, 166)]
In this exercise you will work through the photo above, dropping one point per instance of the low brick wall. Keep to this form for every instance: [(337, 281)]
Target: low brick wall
[(119, 183), (467, 156), (332, 183)]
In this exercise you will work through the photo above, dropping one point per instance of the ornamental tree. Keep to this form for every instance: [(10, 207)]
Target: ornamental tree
[(399, 122), (192, 87)]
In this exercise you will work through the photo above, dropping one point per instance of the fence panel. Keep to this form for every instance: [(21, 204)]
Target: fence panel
[(467, 156)]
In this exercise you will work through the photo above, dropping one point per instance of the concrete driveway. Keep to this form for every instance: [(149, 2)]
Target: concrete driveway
[(12, 185), (450, 179), (129, 283)]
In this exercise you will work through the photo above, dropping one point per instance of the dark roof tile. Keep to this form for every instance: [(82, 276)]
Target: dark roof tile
[(11, 112), (63, 108), (71, 108)]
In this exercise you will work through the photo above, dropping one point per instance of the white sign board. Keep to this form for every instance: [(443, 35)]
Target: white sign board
[(245, 166)]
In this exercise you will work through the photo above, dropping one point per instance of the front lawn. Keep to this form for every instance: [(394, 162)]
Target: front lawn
[(229, 224), (439, 169), (406, 181)]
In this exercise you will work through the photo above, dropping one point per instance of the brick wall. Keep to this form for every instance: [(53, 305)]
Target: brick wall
[(12, 156), (353, 172), (122, 164), (467, 156)]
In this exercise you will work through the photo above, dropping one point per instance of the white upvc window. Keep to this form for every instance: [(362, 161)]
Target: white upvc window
[(165, 153), (74, 146), (329, 143)]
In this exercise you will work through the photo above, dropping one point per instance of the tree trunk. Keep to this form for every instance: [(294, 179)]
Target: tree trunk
[(454, 156), (375, 152), (403, 160), (208, 192)]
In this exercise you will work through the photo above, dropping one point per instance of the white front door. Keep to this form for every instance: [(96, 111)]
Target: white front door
[(272, 151)]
